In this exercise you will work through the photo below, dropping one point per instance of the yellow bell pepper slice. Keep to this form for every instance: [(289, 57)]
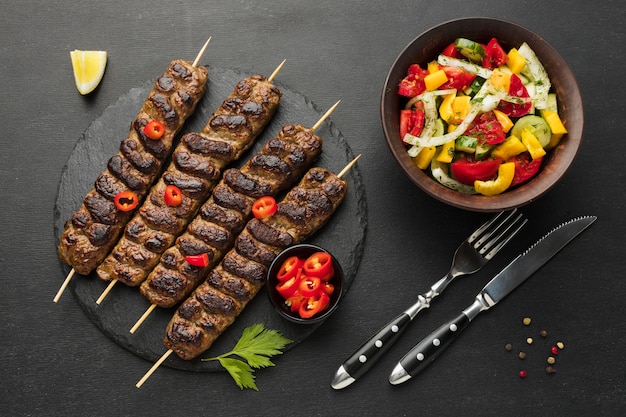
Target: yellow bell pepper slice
[(445, 109), (435, 80), (554, 141), (433, 66), (447, 152), (516, 61), (532, 144), (511, 147), (505, 121), (460, 109), (554, 121), (506, 172), (423, 158), (500, 80)]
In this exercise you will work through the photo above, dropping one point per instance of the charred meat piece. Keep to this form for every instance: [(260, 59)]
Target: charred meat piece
[(196, 167), (276, 167), (216, 303), (96, 226)]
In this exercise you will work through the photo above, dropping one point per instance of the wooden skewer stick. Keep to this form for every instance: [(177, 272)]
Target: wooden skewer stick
[(106, 291), (169, 351), (276, 71), (143, 318), (195, 62), (154, 368), (72, 271), (65, 283), (347, 167), (324, 117), (153, 306)]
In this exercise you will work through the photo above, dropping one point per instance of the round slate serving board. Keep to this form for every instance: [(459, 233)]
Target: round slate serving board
[(344, 235)]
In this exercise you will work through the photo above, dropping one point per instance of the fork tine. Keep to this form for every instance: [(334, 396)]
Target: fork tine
[(477, 238), (495, 244)]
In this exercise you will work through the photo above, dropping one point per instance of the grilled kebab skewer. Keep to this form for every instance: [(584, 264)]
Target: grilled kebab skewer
[(215, 304), (196, 168), (276, 167), (94, 228)]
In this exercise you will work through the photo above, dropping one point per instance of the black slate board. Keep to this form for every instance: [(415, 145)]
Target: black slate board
[(344, 235)]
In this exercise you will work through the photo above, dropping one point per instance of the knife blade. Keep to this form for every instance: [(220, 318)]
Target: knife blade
[(516, 272)]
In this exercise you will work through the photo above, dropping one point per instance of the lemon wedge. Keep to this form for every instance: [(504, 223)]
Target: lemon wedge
[(88, 69)]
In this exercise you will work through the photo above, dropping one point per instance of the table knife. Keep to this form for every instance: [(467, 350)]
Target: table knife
[(522, 267)]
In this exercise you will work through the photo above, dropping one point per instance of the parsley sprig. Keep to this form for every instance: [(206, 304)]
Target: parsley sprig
[(255, 348)]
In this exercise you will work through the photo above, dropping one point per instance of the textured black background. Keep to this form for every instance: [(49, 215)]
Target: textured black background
[(57, 362)]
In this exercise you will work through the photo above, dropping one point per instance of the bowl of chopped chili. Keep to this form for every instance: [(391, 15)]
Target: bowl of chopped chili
[(304, 284), (443, 164)]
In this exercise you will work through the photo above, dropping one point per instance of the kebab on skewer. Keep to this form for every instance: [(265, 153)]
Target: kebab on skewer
[(277, 166), (216, 303), (95, 227), (195, 169)]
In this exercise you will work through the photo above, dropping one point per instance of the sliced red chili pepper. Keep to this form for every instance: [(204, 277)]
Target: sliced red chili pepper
[(264, 207), (289, 287), (201, 260), (289, 268), (154, 130), (173, 196), (310, 286), (126, 201), (494, 55), (294, 302), (320, 265), (314, 305), (525, 168), (328, 288)]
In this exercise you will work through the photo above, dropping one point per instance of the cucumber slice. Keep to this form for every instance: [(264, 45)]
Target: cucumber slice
[(483, 150), (466, 144), (537, 125), (552, 103), (470, 49)]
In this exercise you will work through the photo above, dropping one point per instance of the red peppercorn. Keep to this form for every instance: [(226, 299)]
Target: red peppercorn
[(554, 350), (522, 374)]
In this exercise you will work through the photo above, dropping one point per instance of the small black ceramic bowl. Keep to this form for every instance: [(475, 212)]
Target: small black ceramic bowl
[(303, 251)]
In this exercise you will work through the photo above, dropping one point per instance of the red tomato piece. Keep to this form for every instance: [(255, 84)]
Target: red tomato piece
[(314, 305), (126, 201), (467, 171), (487, 129), (289, 268), (525, 168), (201, 260), (173, 196), (154, 130), (494, 55), (413, 84), (451, 51), (264, 207), (457, 78), (320, 265), (516, 89), (412, 121)]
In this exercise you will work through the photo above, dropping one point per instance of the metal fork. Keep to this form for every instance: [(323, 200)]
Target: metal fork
[(480, 247)]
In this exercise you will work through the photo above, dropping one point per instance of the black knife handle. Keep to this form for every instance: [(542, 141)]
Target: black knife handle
[(373, 349), (433, 345)]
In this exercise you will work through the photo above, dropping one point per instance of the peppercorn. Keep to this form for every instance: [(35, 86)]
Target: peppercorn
[(551, 360), (529, 340), (521, 355), (554, 350), (550, 370), (522, 374), (526, 321), (543, 333), (560, 345), (508, 347)]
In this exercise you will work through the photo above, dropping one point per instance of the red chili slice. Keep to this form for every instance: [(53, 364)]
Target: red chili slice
[(264, 207), (173, 196), (320, 265), (289, 287), (289, 268), (126, 201), (310, 286), (201, 260), (314, 305), (154, 130)]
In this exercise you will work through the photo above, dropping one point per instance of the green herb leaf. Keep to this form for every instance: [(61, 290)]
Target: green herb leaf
[(255, 346)]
